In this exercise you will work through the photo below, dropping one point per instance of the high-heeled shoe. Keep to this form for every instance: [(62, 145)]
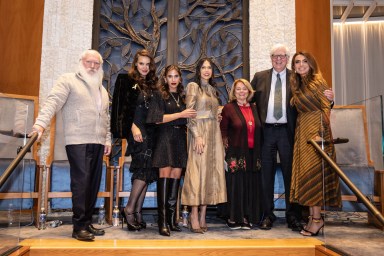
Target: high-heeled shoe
[(308, 224), (142, 223), (131, 227), (194, 230), (310, 233)]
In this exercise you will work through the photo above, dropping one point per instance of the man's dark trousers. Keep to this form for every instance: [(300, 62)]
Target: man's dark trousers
[(86, 163)]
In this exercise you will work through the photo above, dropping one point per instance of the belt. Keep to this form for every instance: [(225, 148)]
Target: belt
[(275, 125)]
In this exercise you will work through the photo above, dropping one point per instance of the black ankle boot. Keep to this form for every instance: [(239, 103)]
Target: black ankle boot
[(162, 192), (173, 194)]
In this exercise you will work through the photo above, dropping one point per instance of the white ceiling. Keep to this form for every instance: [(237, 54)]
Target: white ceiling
[(358, 10)]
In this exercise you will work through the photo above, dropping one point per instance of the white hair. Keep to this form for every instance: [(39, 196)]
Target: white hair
[(278, 47), (91, 52)]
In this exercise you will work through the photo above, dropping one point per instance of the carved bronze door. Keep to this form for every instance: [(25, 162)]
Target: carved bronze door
[(175, 32)]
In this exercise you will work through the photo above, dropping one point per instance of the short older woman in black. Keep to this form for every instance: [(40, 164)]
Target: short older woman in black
[(241, 130)]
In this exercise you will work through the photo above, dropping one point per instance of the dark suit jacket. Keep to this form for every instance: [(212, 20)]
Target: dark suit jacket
[(261, 83)]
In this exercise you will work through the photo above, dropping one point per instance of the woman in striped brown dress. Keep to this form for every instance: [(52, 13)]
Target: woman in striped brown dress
[(314, 183)]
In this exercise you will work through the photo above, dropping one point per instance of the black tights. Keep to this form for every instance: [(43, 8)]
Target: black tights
[(135, 201)]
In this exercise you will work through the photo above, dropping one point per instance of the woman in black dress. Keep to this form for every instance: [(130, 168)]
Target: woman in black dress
[(167, 109), (241, 131), (131, 98)]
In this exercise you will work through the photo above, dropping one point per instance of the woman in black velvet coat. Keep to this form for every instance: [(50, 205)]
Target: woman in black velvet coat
[(131, 98), (241, 130)]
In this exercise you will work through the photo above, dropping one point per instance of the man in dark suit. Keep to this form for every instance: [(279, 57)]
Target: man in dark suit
[(278, 119)]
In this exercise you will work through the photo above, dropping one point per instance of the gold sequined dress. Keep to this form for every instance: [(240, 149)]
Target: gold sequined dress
[(204, 181)]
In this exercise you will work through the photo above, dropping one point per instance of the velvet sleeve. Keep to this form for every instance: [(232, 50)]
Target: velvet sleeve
[(224, 122)]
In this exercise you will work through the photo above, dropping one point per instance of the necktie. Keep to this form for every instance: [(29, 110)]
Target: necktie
[(277, 108)]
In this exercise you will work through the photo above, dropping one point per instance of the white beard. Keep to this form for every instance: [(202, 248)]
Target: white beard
[(93, 79)]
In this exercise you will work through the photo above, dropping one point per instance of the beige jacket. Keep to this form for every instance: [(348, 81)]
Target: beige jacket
[(84, 122)]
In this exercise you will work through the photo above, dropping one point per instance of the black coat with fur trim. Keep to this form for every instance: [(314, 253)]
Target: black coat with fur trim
[(124, 103)]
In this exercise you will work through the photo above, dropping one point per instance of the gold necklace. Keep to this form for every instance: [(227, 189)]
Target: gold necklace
[(177, 101), (248, 115)]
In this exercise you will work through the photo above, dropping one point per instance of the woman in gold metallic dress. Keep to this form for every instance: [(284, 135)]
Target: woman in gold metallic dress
[(204, 182)]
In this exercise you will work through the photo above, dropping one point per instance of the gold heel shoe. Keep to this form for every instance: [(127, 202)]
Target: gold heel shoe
[(194, 230)]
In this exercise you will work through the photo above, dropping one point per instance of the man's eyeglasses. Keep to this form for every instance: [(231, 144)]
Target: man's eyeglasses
[(280, 56), (89, 63)]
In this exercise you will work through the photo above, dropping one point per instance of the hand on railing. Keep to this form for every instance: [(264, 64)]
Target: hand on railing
[(37, 129)]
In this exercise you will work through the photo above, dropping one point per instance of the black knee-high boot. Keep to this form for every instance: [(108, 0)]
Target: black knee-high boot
[(172, 203), (162, 194)]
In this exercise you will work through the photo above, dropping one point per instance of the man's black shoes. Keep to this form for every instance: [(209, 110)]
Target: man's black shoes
[(295, 225), (266, 224), (95, 231), (83, 235)]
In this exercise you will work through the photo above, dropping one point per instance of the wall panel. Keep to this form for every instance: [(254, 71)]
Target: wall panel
[(313, 32), (21, 28)]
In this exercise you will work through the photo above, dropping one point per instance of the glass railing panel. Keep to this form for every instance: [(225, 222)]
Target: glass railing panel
[(16, 194), (347, 227)]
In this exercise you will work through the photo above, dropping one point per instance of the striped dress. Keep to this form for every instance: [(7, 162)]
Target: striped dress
[(308, 169)]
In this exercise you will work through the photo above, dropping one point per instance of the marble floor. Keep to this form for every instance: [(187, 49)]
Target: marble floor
[(349, 233)]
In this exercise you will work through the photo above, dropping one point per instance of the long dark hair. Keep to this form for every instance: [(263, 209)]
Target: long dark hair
[(197, 78), (164, 87), (312, 79), (148, 82)]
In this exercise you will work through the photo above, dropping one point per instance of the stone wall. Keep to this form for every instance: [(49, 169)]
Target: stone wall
[(270, 22), (67, 31)]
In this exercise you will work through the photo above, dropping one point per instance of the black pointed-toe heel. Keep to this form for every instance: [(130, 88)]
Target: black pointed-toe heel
[(131, 227), (310, 233), (142, 223)]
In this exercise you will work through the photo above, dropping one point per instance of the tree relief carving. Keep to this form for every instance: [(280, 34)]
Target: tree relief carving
[(204, 29)]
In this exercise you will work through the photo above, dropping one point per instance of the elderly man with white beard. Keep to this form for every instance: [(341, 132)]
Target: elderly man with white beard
[(84, 104)]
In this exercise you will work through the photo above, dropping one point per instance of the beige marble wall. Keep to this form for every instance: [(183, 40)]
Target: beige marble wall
[(67, 31), (270, 22)]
